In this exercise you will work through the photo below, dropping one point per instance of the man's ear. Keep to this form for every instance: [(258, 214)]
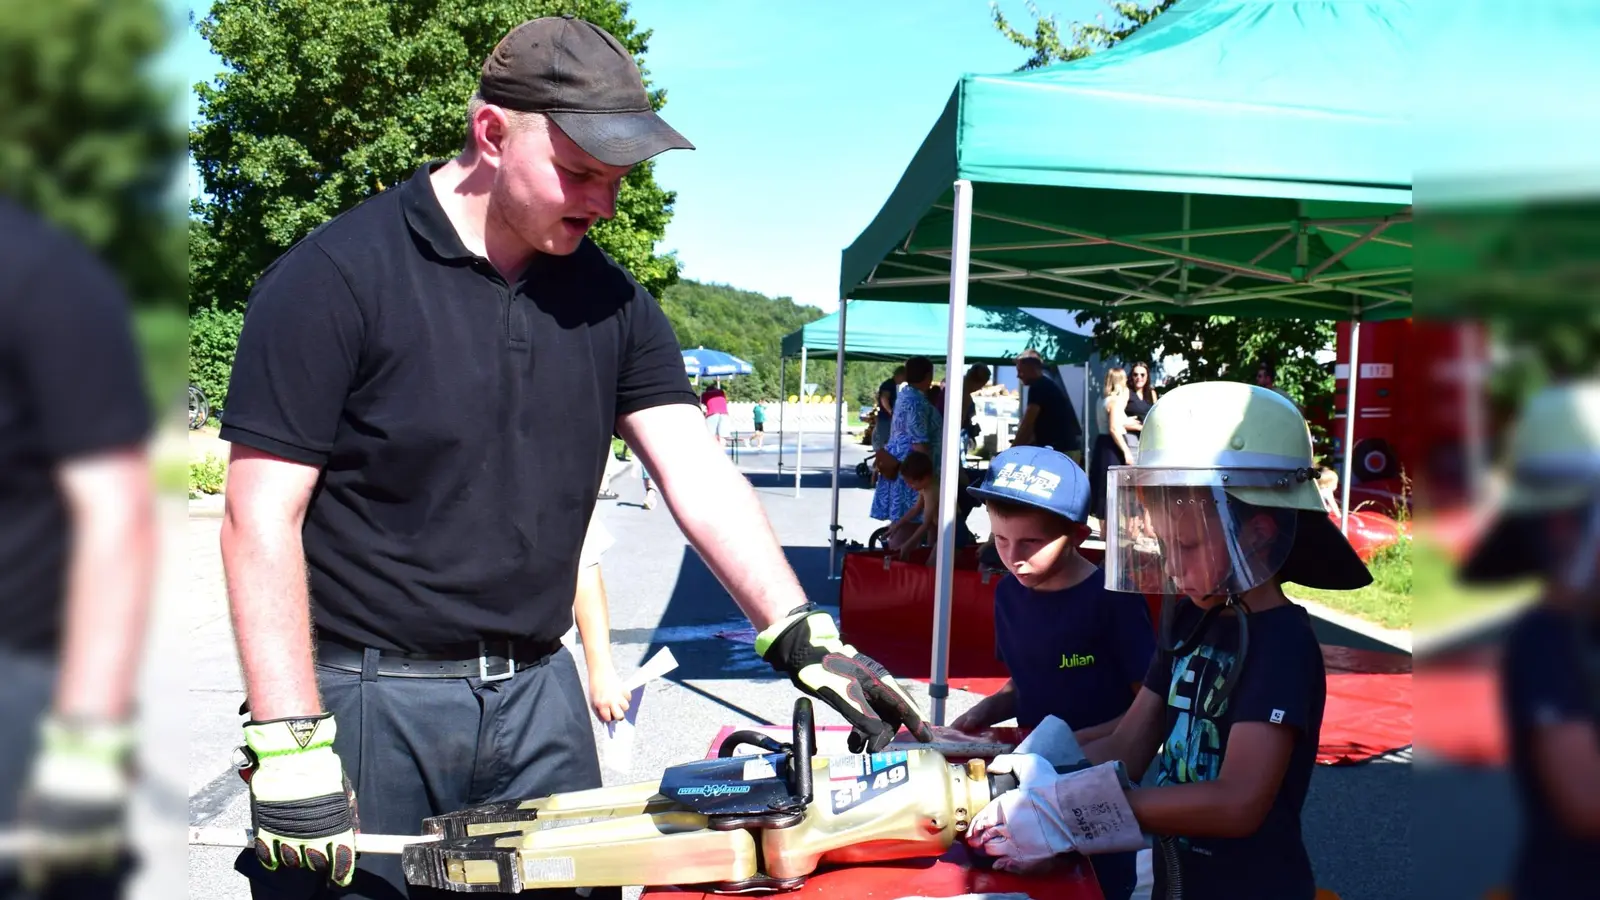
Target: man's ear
[(491, 128)]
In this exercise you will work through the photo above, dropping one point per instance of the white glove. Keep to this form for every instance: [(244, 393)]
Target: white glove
[(1049, 814)]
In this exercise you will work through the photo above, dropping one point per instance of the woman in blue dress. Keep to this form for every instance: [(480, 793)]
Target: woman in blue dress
[(915, 426)]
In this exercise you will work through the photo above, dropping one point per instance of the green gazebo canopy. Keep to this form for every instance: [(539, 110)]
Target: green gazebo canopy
[(1233, 157), (895, 331)]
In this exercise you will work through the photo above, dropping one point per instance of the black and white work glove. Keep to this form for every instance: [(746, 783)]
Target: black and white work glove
[(76, 799), (805, 645), (302, 808)]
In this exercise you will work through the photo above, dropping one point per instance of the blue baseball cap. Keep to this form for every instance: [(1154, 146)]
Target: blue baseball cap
[(1041, 477)]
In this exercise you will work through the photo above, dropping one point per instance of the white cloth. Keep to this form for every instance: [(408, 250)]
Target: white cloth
[(1049, 814)]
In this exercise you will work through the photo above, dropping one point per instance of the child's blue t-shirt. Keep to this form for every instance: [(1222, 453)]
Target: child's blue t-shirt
[(1283, 683), (1075, 653)]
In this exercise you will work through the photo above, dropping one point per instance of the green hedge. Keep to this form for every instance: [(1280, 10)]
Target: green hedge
[(213, 339)]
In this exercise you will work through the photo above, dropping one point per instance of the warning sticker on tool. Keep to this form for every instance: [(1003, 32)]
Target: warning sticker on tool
[(759, 768), (869, 777), (548, 869)]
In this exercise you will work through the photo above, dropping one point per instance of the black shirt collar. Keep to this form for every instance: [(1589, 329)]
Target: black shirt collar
[(427, 218)]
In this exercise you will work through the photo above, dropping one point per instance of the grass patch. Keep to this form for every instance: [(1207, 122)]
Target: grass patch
[(1441, 600), (1386, 601)]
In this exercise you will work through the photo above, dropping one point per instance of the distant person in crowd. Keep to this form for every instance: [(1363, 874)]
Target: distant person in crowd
[(716, 407), (758, 415), (1267, 377), (915, 426), (1328, 485), (893, 384), (882, 420), (977, 376), (1111, 446), (618, 466), (1049, 419), (1141, 396), (913, 529)]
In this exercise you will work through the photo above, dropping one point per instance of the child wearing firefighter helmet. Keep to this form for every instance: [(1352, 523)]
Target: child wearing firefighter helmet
[(1221, 509), (1548, 529)]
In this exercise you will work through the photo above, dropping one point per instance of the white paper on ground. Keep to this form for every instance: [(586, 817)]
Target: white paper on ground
[(616, 748), (1054, 741)]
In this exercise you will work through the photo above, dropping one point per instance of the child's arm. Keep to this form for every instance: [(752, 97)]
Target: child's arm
[(928, 502), (1236, 802), (997, 707), (610, 702), (1119, 425), (910, 514), (1136, 738)]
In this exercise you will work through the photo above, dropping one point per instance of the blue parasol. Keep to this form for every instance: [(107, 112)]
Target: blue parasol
[(714, 363)]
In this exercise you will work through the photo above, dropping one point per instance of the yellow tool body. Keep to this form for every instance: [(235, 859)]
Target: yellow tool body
[(735, 824)]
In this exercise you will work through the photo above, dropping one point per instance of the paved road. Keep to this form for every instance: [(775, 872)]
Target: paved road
[(1357, 820)]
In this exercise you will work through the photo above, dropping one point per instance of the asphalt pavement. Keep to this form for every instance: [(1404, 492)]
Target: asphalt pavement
[(1357, 820)]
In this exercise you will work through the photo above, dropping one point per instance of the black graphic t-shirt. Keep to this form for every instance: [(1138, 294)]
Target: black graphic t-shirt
[(1283, 683), (1545, 682)]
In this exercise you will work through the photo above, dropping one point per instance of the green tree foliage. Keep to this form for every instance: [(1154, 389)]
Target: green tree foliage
[(752, 326), (213, 340), (1047, 45), (321, 105), (91, 140), (1231, 348)]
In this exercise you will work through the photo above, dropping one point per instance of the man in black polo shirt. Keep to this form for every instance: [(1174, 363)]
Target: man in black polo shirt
[(1049, 419), (423, 397), (77, 549)]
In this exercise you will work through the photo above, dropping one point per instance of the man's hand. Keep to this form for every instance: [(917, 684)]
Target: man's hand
[(76, 798), (805, 646), (302, 808)]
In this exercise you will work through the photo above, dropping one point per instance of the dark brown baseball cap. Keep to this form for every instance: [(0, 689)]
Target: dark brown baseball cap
[(586, 82)]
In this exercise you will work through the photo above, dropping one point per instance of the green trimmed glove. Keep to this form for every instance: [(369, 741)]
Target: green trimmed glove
[(76, 798), (302, 808), (805, 646)]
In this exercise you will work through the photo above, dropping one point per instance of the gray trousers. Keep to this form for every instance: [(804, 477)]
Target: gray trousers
[(418, 747)]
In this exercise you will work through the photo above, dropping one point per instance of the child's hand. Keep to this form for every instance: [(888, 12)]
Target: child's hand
[(966, 724), (606, 695)]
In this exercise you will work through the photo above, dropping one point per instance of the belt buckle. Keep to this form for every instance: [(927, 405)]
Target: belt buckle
[(483, 663)]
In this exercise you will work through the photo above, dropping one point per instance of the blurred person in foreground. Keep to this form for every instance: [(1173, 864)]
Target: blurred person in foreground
[(77, 543), (1548, 529)]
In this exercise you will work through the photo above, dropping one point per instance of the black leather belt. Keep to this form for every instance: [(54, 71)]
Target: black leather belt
[(487, 661)]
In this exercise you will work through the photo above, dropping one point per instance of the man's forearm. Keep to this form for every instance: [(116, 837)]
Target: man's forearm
[(110, 579), (265, 568)]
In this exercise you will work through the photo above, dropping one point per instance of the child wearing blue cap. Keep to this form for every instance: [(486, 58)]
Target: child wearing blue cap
[(1074, 649)]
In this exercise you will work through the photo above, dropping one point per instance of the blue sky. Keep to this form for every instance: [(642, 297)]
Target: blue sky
[(804, 116)]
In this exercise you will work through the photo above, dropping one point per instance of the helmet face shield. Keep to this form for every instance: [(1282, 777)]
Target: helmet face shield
[(1197, 532)]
